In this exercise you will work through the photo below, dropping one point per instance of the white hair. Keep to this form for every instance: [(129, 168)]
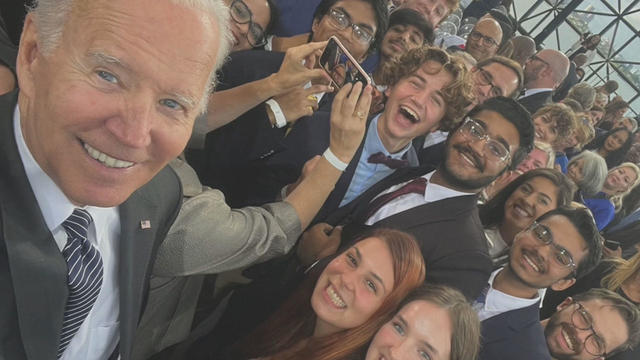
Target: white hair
[(50, 17)]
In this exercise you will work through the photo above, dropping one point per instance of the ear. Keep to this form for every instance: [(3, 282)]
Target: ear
[(387, 91), (562, 284), (314, 24), (28, 56), (566, 302)]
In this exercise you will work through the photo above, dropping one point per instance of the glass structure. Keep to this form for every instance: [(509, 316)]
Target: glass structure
[(558, 24)]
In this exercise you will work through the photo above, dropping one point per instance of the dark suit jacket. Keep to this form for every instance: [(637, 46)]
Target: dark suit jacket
[(515, 334), (534, 102), (33, 273), (566, 85), (448, 231), (235, 152)]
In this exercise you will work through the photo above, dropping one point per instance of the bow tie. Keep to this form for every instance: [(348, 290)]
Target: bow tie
[(391, 163)]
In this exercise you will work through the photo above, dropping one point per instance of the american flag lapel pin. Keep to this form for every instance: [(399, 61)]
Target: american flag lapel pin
[(145, 224)]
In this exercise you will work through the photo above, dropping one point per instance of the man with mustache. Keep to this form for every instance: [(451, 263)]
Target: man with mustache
[(596, 324), (438, 205), (558, 248)]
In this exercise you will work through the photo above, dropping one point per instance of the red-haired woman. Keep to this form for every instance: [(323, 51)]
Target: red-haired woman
[(342, 303)]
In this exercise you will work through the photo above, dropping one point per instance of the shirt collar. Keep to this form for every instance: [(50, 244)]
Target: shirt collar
[(435, 192), (373, 143), (54, 205), (530, 92)]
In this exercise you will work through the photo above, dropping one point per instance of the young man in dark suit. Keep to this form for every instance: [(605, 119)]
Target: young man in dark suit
[(543, 73), (558, 248), (442, 211)]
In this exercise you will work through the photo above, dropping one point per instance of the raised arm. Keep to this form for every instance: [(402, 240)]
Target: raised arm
[(227, 105)]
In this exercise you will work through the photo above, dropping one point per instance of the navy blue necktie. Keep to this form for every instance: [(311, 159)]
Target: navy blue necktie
[(84, 275)]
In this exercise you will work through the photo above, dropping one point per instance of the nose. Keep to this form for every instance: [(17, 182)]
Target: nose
[(132, 126), (349, 280), (399, 350), (244, 28)]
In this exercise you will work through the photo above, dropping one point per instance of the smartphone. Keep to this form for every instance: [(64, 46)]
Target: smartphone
[(613, 245), (341, 67)]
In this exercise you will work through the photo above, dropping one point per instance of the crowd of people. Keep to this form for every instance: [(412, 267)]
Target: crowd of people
[(475, 200)]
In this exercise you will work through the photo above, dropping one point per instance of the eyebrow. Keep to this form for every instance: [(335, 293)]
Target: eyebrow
[(104, 59), (375, 276), (425, 343), (497, 138)]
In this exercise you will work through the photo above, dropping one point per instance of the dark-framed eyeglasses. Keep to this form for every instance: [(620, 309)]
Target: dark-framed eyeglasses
[(341, 20), (538, 58), (581, 319), (561, 255), (485, 78), (484, 40), (493, 148), (241, 14)]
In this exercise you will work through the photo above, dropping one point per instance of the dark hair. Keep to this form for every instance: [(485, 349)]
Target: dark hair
[(379, 8), (616, 157), (627, 310), (281, 334), (274, 14), (516, 114), (610, 86), (406, 16), (511, 65), (583, 221), (492, 213)]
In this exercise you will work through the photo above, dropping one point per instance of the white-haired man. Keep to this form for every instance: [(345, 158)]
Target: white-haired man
[(109, 91)]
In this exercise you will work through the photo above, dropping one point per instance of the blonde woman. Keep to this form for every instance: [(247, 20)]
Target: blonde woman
[(619, 181)]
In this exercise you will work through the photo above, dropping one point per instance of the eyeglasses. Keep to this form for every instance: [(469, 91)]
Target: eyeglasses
[(484, 40), (341, 20), (594, 344), (485, 78), (536, 57), (545, 237), (493, 148), (241, 14)]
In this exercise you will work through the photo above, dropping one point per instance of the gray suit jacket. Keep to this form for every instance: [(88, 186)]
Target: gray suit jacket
[(33, 273), (208, 237)]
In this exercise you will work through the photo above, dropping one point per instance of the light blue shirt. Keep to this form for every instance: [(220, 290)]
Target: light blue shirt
[(367, 174)]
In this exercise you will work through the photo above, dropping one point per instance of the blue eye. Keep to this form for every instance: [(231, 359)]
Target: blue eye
[(108, 77), (171, 104), (399, 329)]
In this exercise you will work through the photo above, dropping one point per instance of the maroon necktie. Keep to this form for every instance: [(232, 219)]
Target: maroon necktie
[(417, 186), (391, 163)]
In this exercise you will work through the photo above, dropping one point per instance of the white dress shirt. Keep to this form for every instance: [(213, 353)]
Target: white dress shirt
[(530, 92), (433, 192), (497, 302), (99, 334)]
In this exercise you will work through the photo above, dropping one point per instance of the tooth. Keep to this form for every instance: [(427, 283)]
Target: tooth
[(106, 159)]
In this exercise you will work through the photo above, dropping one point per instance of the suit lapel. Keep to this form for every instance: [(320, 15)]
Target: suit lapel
[(503, 326), (137, 246), (38, 270)]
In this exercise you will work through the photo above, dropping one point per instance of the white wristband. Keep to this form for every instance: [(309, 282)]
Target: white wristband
[(281, 121), (333, 160)]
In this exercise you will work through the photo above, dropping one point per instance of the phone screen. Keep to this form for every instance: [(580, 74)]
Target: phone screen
[(340, 66)]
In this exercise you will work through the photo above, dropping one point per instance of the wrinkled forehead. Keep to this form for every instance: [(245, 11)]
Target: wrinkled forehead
[(148, 37)]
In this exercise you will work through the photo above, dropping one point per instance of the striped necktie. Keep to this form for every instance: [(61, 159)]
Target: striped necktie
[(84, 275)]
